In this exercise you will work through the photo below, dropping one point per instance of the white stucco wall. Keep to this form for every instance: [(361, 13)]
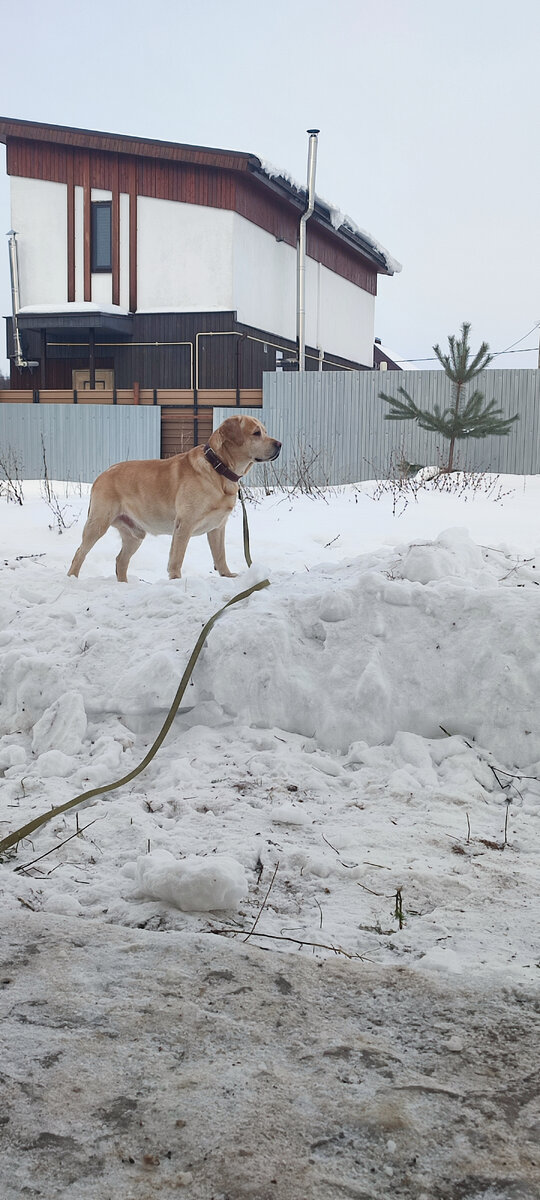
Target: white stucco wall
[(79, 244), (184, 256), (340, 317), (102, 288), (190, 258), (39, 218), (264, 279)]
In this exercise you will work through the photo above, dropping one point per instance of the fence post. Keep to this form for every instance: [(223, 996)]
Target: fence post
[(195, 417)]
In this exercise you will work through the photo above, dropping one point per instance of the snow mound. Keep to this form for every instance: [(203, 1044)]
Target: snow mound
[(62, 726), (192, 884), (453, 554)]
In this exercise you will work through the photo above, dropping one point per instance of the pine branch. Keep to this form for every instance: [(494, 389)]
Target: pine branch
[(456, 364), (400, 411)]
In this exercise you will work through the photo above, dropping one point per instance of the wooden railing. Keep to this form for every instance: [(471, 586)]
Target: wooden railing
[(178, 397)]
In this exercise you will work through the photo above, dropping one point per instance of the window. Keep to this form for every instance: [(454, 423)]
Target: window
[(101, 236)]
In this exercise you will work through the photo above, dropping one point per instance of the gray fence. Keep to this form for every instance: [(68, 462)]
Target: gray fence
[(333, 422), (80, 440)]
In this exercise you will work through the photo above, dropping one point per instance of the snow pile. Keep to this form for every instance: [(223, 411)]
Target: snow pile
[(191, 884), (365, 652), (358, 750), (62, 727)]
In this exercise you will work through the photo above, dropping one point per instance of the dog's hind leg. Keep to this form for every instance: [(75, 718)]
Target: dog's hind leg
[(132, 537), (94, 529)]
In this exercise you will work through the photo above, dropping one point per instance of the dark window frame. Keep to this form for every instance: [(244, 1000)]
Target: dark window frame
[(99, 205)]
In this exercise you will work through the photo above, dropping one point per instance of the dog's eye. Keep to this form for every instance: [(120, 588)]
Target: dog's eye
[(257, 433)]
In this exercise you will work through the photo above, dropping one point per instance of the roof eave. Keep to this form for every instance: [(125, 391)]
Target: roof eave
[(91, 139), (321, 213)]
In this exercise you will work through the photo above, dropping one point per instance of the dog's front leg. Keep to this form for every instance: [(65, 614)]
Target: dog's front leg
[(180, 539), (216, 541)]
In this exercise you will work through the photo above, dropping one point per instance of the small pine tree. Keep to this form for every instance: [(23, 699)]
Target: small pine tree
[(466, 418)]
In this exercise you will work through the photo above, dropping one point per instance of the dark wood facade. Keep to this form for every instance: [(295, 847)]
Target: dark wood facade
[(163, 350)]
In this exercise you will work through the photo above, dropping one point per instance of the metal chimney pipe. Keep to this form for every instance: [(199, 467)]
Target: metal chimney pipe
[(15, 300), (301, 258)]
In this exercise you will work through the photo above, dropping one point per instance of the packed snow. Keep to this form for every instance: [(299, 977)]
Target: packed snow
[(356, 762)]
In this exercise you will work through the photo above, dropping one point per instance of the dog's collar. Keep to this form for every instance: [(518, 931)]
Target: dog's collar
[(218, 465)]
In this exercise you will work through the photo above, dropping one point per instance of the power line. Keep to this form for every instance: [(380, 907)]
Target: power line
[(496, 353), (522, 339)]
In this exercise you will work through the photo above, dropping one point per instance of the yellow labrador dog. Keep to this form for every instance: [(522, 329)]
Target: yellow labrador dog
[(186, 495)]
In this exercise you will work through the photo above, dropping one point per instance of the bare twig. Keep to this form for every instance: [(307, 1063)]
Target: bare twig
[(399, 908), (278, 937), (382, 895), (51, 498), (349, 866), (10, 476), (58, 846), (505, 843), (264, 902)]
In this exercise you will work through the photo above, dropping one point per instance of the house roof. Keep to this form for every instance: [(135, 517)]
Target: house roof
[(92, 139), (338, 226)]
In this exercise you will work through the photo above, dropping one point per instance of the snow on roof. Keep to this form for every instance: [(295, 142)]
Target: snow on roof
[(338, 219), (83, 306), (400, 362)]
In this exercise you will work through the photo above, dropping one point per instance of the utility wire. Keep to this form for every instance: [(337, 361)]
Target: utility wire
[(496, 353), (522, 339)]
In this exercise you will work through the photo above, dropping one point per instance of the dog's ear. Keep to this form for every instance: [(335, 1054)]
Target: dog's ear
[(231, 431)]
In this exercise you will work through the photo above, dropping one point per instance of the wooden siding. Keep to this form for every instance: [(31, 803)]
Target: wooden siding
[(96, 140), (70, 233), (182, 428), (267, 210), (165, 351), (157, 397)]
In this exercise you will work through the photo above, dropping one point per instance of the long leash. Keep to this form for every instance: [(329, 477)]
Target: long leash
[(25, 830)]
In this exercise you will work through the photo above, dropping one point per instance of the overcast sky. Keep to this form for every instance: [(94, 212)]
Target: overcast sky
[(428, 112)]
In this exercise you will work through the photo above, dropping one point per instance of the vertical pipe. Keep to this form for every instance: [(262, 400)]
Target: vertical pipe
[(92, 360), (301, 282), (15, 298), (20, 360)]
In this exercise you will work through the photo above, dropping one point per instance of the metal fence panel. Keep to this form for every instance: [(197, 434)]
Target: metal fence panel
[(333, 423), (80, 440)]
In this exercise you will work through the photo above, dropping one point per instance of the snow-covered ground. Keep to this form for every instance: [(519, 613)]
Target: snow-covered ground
[(355, 768), (361, 737)]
